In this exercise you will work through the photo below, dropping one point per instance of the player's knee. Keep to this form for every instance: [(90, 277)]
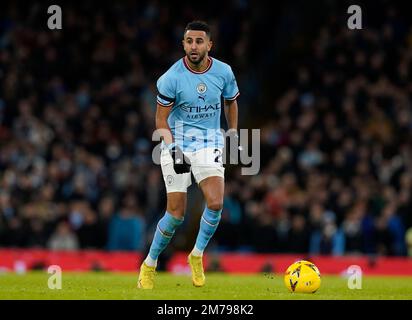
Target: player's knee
[(215, 205), (177, 210)]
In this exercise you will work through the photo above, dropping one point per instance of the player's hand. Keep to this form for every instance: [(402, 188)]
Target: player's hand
[(181, 163), (235, 148)]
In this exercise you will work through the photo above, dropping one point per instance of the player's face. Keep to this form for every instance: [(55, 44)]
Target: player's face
[(196, 45)]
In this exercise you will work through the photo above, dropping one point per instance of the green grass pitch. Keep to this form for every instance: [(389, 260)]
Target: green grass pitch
[(113, 286)]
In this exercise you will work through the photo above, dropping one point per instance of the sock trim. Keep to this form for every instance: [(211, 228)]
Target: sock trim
[(209, 223), (165, 233)]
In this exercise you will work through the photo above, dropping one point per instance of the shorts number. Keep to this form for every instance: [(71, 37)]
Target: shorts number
[(218, 158)]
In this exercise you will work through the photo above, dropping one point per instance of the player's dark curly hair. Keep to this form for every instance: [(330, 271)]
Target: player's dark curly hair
[(198, 26)]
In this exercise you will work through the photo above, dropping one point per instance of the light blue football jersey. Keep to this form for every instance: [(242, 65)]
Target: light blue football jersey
[(195, 99)]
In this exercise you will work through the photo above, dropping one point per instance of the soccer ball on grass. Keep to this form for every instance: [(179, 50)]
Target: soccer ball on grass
[(303, 277)]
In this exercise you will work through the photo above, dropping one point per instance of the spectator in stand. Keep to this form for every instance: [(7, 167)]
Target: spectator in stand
[(127, 228), (229, 233), (299, 236), (63, 238)]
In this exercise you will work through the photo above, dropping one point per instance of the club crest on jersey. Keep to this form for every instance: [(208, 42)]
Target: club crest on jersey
[(169, 180), (201, 88)]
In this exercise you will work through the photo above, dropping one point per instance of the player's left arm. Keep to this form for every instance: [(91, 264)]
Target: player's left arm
[(231, 114), (230, 94)]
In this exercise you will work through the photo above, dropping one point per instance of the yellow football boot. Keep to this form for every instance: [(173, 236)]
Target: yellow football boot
[(146, 277), (196, 266)]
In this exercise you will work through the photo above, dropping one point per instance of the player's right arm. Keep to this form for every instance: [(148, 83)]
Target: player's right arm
[(166, 86), (162, 114)]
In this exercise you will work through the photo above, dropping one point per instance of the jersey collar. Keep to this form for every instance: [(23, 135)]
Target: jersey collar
[(210, 60)]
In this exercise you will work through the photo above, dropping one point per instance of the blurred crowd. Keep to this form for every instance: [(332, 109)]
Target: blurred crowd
[(77, 110)]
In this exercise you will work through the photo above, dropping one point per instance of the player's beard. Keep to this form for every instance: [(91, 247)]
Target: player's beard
[(198, 60)]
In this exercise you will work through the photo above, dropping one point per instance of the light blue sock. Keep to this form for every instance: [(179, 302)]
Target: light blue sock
[(164, 232), (208, 225)]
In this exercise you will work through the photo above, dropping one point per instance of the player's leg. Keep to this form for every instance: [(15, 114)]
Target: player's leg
[(167, 225), (209, 173), (165, 229), (176, 187), (213, 189)]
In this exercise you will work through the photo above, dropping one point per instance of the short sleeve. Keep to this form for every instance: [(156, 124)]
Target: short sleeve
[(230, 90), (166, 91)]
